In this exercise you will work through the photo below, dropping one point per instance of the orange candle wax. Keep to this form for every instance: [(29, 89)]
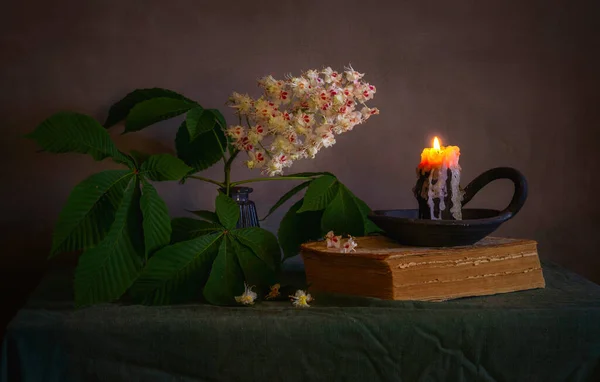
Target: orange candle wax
[(438, 157)]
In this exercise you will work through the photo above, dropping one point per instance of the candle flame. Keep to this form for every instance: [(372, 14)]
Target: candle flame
[(436, 143)]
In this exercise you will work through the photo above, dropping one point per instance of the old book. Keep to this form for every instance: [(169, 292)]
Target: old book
[(385, 269)]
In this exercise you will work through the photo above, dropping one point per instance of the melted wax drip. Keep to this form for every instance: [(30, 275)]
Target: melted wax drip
[(457, 194), (438, 191)]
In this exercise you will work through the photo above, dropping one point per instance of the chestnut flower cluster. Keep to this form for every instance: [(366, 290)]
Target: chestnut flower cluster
[(298, 116)]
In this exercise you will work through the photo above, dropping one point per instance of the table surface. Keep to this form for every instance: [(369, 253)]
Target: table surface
[(550, 334)]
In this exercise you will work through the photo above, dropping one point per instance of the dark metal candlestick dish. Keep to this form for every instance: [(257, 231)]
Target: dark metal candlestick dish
[(407, 227)]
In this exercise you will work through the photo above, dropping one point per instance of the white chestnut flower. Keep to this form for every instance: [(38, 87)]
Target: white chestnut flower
[(367, 112), (300, 86), (352, 75), (331, 76), (349, 245), (273, 292), (241, 102), (256, 159), (248, 297), (300, 299), (333, 241), (327, 139), (273, 168), (236, 132)]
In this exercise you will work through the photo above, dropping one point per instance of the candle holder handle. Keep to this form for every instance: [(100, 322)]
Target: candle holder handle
[(519, 195)]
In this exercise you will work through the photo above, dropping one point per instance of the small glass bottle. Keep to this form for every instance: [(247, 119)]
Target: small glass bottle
[(248, 214)]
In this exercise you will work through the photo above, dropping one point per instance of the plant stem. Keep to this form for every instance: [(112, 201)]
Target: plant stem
[(254, 180), (228, 164), (206, 180), (220, 145)]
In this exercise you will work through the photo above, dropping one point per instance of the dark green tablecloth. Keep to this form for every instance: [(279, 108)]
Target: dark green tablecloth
[(550, 334)]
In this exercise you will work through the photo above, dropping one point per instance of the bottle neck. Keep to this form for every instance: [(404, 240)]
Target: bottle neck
[(239, 194)]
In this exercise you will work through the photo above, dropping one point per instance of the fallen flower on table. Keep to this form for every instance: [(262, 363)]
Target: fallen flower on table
[(301, 299), (349, 245), (332, 240), (248, 297), (274, 292)]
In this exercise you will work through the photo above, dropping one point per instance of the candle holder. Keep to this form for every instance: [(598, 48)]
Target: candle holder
[(416, 228)]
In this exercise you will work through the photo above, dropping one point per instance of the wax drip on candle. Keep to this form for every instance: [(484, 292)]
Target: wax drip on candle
[(457, 194)]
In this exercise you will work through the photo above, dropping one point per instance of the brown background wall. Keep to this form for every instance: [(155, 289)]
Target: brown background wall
[(513, 83)]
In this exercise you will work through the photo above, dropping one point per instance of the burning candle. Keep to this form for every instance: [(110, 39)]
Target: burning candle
[(438, 188)]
